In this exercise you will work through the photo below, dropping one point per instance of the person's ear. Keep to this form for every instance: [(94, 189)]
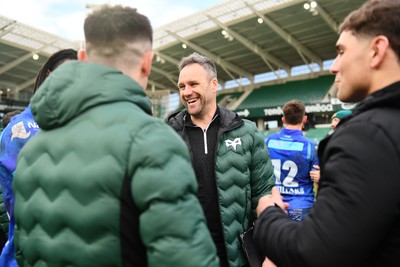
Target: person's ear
[(379, 48), (82, 56), (214, 85), (305, 119), (283, 120), (146, 63)]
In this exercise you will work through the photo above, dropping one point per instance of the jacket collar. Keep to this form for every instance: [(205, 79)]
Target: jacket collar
[(228, 119)]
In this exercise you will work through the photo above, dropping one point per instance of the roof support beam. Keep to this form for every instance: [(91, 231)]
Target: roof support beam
[(166, 74), (266, 57), (167, 58), (19, 60), (218, 60), (154, 84), (7, 28), (15, 62), (231, 75), (287, 37), (24, 85), (328, 19)]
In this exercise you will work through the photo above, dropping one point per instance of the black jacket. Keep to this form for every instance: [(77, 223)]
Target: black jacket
[(243, 173), (356, 218)]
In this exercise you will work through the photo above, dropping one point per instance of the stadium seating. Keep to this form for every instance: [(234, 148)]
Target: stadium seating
[(317, 134), (227, 98), (310, 91)]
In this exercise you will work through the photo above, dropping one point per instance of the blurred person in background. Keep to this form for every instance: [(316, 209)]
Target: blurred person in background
[(109, 184), (356, 218), (4, 220), (338, 116), (21, 128), (294, 156), (7, 117)]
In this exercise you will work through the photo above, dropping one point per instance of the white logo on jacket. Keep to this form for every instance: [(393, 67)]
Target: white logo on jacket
[(18, 131), (234, 143)]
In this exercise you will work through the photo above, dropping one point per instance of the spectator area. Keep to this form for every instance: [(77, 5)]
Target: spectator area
[(227, 98), (310, 91), (317, 134)]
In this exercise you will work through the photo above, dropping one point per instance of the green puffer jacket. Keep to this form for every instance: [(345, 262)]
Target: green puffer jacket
[(104, 183), (244, 173)]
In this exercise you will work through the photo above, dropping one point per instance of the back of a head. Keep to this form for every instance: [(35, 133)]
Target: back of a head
[(376, 17), (294, 111), (117, 32), (52, 63), (7, 117)]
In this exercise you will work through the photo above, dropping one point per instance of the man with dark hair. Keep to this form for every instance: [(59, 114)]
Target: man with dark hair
[(230, 159), (356, 218), (7, 117), (109, 184), (294, 156), (16, 134)]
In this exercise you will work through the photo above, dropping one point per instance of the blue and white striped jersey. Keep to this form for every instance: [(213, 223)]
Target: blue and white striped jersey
[(293, 157)]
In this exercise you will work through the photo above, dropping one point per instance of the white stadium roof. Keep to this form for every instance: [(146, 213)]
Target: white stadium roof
[(245, 38)]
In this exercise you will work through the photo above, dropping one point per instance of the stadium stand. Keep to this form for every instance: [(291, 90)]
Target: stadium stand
[(246, 39), (226, 98), (317, 134), (269, 132), (311, 91)]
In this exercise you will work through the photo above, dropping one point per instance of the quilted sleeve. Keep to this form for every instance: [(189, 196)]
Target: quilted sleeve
[(262, 172), (172, 223)]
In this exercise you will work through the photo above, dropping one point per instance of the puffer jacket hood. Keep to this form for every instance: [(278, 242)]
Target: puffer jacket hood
[(56, 102)]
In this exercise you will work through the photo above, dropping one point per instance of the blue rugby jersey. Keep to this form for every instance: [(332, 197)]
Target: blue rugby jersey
[(293, 157), (17, 133)]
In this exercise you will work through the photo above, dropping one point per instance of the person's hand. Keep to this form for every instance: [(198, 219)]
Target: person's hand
[(268, 263), (315, 174), (270, 200)]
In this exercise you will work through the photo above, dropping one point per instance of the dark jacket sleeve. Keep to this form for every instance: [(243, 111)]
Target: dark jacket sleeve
[(356, 204), (164, 188), (3, 222)]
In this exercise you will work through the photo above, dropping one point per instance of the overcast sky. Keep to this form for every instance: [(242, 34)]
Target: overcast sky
[(65, 17)]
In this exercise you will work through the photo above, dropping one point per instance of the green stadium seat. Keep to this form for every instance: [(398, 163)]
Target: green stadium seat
[(310, 91), (317, 134)]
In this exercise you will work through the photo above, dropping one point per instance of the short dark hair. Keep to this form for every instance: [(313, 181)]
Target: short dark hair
[(196, 58), (376, 17), (109, 29), (7, 117), (52, 63), (294, 111)]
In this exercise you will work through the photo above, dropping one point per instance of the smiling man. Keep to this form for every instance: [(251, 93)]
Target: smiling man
[(231, 161), (356, 219)]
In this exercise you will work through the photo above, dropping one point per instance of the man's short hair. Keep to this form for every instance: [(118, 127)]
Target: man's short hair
[(196, 58), (111, 30), (294, 111), (376, 17), (53, 62), (7, 117)]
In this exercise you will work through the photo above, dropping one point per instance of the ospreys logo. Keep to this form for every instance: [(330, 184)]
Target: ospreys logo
[(233, 143), (18, 131)]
